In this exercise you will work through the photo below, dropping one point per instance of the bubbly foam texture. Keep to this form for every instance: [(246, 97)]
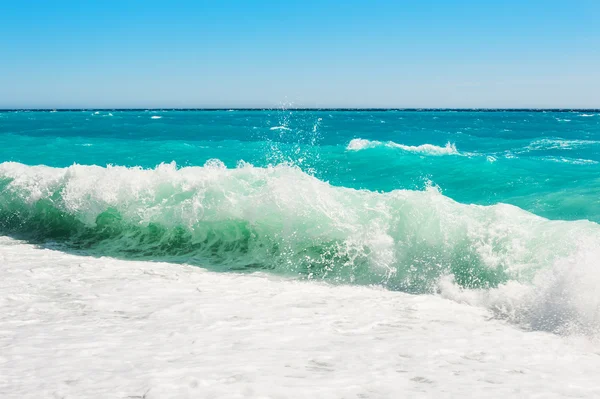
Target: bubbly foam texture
[(562, 298), (362, 144), (534, 271), (280, 128), (203, 334), (426, 149)]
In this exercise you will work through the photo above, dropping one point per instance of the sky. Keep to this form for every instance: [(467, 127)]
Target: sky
[(263, 53)]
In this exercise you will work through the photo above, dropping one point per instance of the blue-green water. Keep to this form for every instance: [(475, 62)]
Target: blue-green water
[(387, 197)]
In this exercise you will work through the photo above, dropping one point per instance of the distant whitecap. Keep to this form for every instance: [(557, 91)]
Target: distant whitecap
[(426, 149)]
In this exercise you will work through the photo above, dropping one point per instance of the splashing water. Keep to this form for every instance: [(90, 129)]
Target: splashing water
[(298, 194)]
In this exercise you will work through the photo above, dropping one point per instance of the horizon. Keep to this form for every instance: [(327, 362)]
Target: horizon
[(313, 54), (409, 109)]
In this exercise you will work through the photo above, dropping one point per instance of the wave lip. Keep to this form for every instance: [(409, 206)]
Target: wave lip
[(426, 149)]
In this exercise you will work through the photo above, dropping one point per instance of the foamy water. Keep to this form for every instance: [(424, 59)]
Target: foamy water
[(426, 149), (299, 254), (98, 327)]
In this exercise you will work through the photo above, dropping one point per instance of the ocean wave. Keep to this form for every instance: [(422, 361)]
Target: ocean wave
[(536, 272), (427, 149), (156, 117), (280, 128)]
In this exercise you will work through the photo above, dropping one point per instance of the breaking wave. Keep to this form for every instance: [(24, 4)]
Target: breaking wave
[(533, 271), (425, 149)]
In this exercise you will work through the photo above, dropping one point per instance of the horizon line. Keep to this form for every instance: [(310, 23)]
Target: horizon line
[(409, 109)]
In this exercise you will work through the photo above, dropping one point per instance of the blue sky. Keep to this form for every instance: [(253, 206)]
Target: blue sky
[(302, 53)]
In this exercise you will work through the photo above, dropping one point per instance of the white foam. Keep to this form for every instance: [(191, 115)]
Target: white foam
[(562, 299), (387, 232), (86, 327), (155, 117), (427, 149), (361, 144), (280, 128)]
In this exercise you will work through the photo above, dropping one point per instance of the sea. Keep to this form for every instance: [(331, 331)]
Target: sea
[(275, 253)]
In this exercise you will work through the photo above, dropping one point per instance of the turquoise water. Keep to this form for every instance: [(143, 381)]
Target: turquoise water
[(398, 198)]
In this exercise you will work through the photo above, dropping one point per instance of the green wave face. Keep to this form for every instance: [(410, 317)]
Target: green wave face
[(283, 220)]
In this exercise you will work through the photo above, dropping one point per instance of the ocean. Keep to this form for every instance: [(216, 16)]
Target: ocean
[(300, 253)]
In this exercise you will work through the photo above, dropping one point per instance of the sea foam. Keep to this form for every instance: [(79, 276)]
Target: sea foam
[(285, 221), (425, 149)]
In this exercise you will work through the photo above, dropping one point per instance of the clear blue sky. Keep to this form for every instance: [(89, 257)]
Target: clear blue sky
[(436, 53)]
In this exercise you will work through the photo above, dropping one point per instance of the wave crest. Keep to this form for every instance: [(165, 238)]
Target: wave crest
[(286, 221), (426, 149)]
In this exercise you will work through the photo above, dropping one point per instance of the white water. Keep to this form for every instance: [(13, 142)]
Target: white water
[(83, 327), (425, 149), (405, 240)]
